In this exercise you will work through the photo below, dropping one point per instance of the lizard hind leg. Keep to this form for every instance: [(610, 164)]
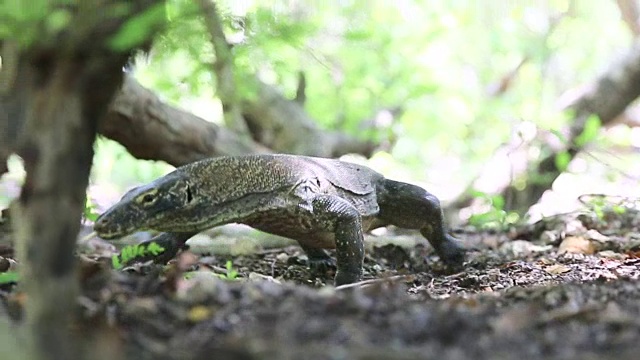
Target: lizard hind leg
[(412, 207)]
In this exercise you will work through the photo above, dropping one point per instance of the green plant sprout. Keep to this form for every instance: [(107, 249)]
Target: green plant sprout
[(90, 212), (602, 204), (231, 274), (132, 252)]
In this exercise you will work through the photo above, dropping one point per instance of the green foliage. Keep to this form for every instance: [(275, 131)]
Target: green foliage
[(113, 162), (9, 277), (232, 274), (602, 204), (138, 29), (440, 63), (90, 212), (591, 127), (23, 20), (562, 160), (57, 20), (132, 252), (496, 217)]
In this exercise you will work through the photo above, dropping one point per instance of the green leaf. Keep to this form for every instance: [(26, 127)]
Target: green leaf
[(619, 209), (493, 216), (115, 262), (90, 212), (591, 127), (138, 29), (231, 272), (562, 160), (497, 202), (57, 20), (9, 277)]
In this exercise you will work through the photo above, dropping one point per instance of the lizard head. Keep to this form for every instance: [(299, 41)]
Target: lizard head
[(154, 206)]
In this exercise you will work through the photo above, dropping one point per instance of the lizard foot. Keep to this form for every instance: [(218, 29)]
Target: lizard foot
[(451, 252), (319, 261), (347, 277), (321, 265)]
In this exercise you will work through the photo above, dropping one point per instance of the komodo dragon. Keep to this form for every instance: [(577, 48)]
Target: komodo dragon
[(321, 203)]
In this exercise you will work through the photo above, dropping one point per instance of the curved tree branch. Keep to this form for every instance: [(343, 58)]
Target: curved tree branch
[(150, 129)]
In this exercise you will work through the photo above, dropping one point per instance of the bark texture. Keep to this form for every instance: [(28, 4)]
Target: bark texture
[(150, 129), (283, 125), (62, 86)]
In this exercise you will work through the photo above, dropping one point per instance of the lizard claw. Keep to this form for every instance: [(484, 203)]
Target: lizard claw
[(451, 252), (321, 265)]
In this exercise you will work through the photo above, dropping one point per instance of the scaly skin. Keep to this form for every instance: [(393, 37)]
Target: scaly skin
[(321, 203)]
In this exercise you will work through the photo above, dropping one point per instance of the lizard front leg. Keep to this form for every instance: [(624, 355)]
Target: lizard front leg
[(412, 207), (338, 215)]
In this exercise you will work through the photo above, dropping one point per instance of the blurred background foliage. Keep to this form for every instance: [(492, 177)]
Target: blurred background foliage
[(469, 76)]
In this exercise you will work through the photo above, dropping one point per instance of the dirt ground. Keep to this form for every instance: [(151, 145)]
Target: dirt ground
[(564, 288)]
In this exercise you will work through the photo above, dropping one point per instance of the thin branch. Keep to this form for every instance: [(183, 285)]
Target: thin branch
[(366, 283), (224, 70), (629, 14)]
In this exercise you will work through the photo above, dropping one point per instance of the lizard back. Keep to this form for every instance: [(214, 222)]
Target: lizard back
[(226, 178)]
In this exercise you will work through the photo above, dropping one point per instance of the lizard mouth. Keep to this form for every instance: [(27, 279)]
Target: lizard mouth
[(109, 236), (107, 231)]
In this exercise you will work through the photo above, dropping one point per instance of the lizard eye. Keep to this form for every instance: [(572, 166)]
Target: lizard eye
[(189, 194), (146, 199)]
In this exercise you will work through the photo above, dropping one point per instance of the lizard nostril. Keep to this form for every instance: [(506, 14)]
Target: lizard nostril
[(100, 222)]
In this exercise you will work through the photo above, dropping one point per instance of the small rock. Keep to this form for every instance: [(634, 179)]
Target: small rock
[(610, 254), (577, 245), (549, 237), (597, 236), (282, 257), (522, 247), (199, 287)]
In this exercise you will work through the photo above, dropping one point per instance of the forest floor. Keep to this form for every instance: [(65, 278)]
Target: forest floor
[(566, 287)]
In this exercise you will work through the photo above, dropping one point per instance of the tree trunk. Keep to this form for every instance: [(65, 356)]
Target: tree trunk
[(63, 85)]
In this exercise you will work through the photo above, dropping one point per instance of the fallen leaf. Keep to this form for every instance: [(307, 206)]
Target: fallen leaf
[(557, 269), (199, 313), (577, 245)]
